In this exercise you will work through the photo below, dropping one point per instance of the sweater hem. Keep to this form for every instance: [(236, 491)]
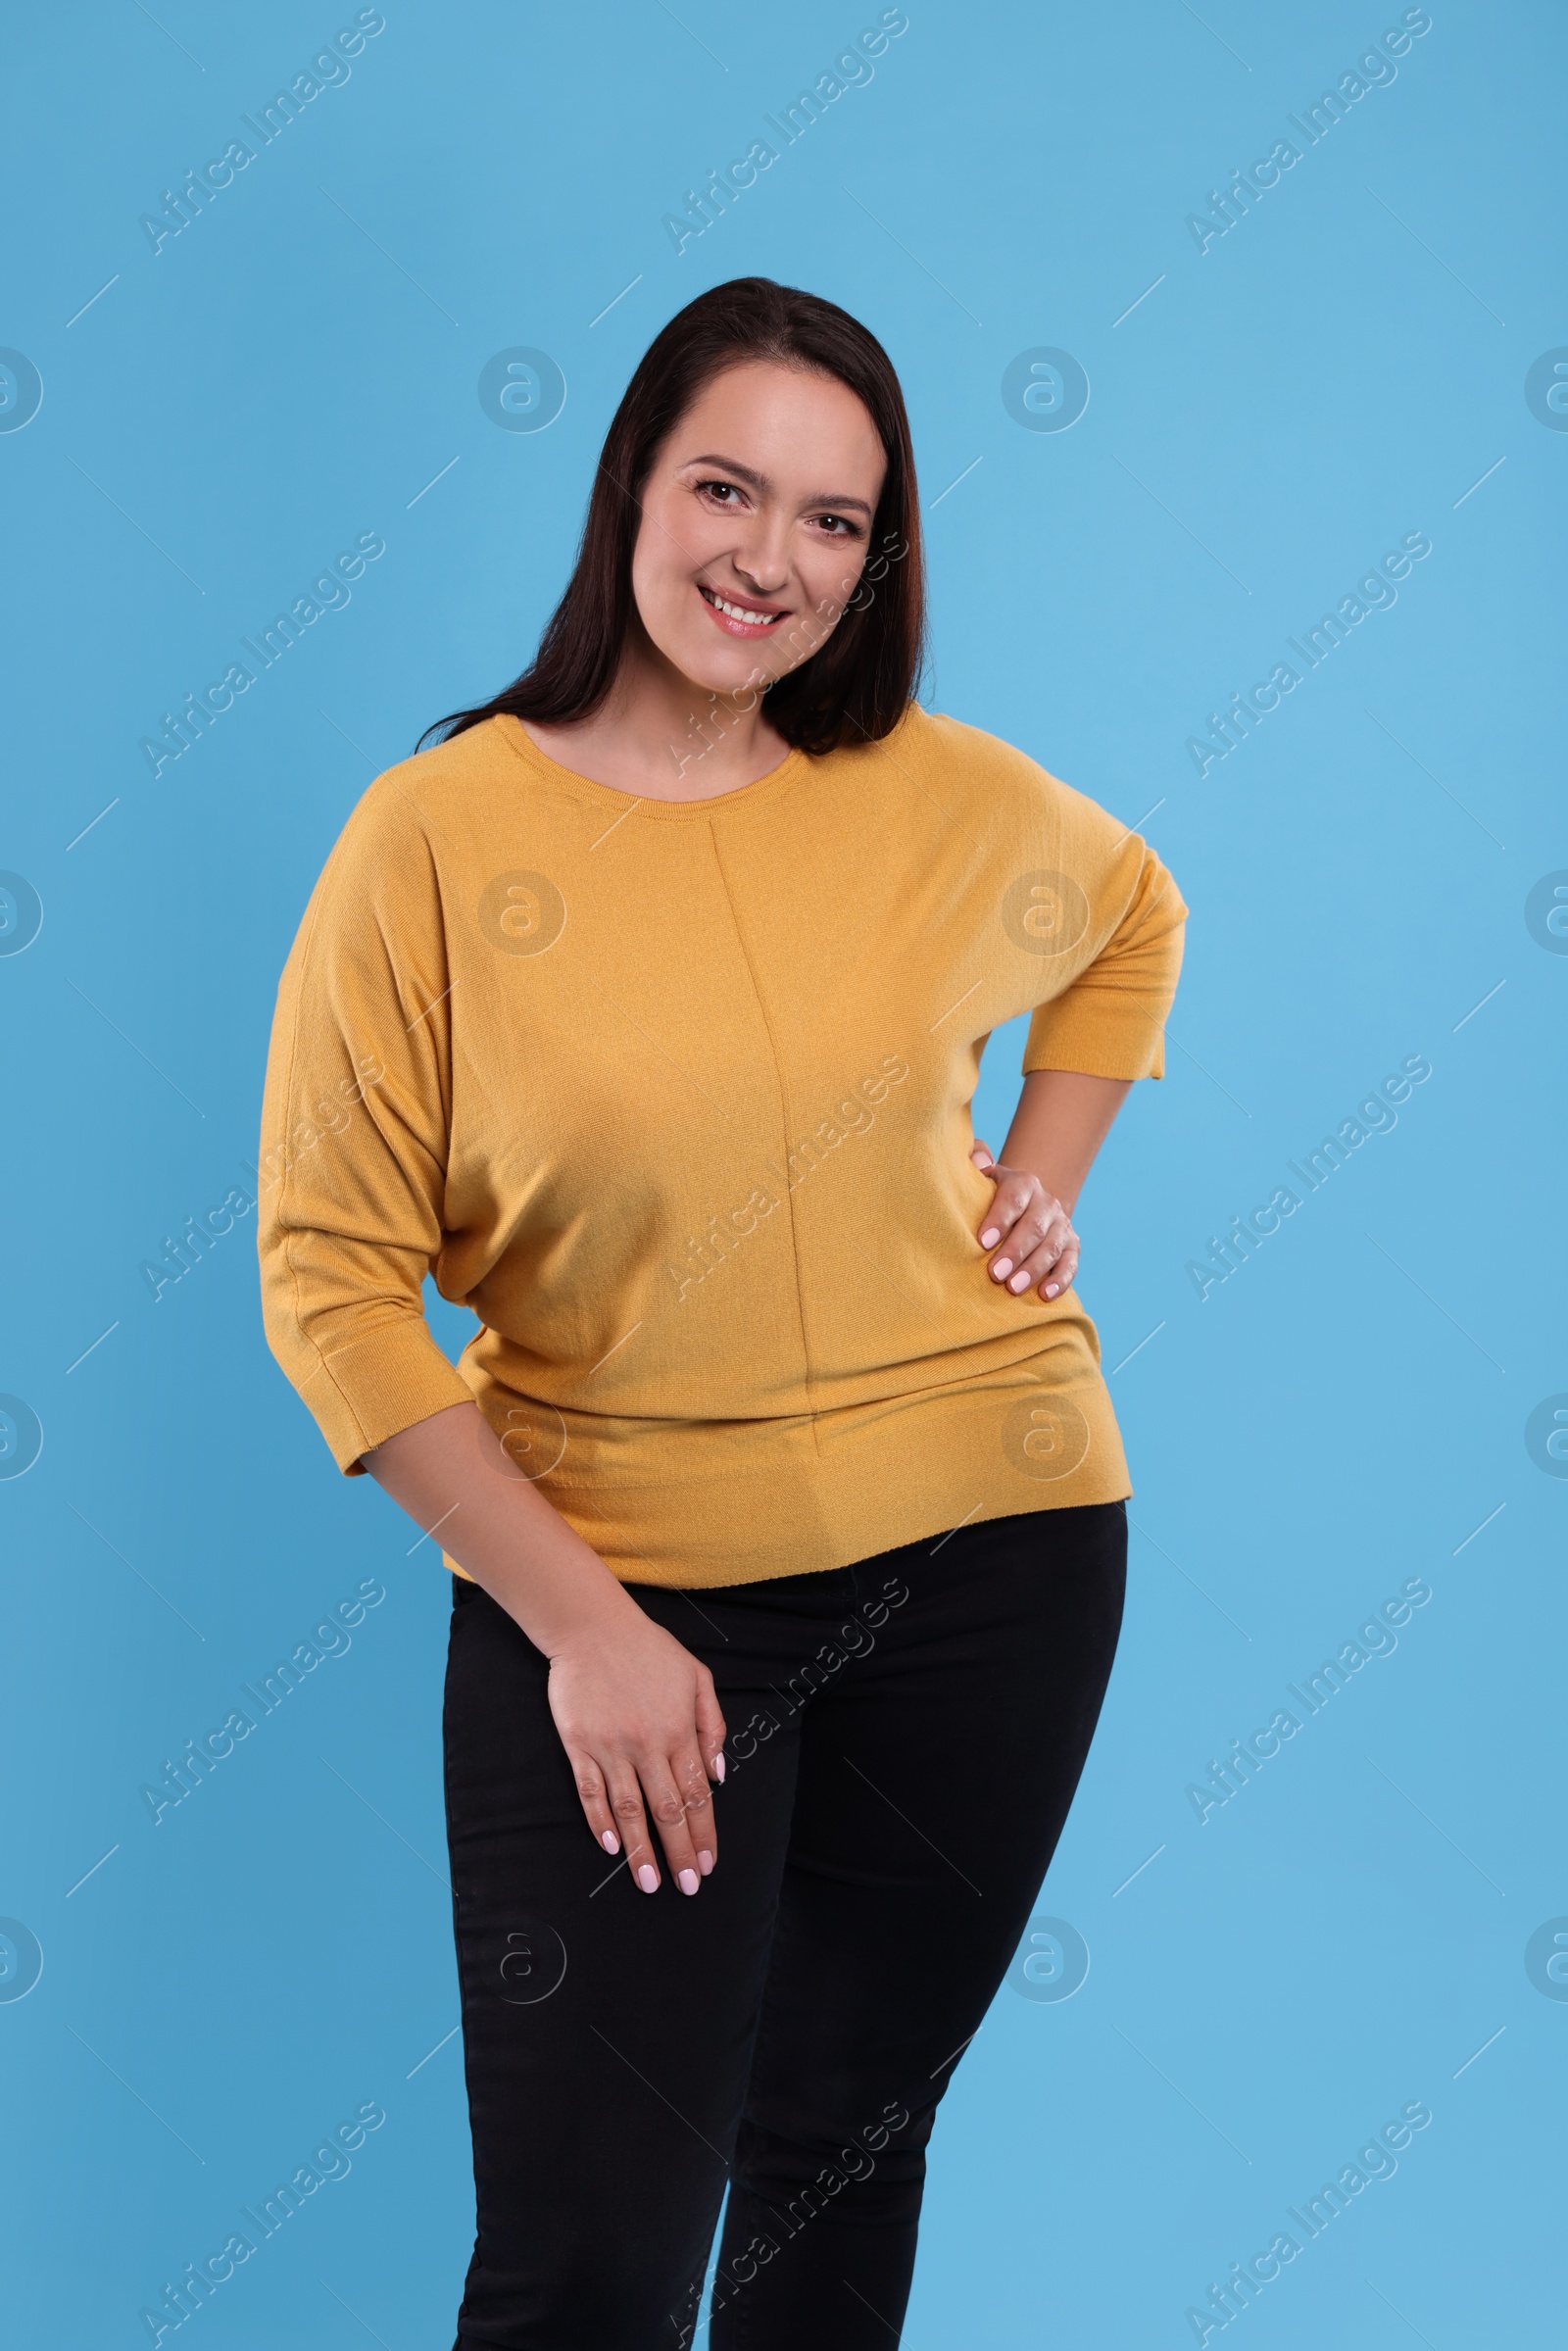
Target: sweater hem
[(942, 1463)]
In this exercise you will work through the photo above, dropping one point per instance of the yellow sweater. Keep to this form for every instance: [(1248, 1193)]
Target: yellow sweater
[(675, 1096)]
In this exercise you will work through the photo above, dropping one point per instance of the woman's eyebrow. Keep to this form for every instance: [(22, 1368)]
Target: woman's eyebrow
[(760, 482)]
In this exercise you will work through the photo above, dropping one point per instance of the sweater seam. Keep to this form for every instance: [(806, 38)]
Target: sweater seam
[(784, 1107)]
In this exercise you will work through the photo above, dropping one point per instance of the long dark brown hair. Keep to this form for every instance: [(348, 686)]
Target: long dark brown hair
[(858, 685)]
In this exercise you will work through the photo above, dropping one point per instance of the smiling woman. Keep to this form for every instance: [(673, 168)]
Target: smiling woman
[(626, 1029), (675, 525)]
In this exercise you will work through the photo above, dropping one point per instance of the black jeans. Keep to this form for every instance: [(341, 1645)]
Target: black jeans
[(904, 1737)]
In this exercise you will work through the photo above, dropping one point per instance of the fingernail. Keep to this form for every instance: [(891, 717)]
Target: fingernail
[(611, 1842), (718, 1767), (705, 1861), (988, 1240), (687, 1882), (1002, 1268), (1052, 1288), (648, 1878), (1020, 1280)]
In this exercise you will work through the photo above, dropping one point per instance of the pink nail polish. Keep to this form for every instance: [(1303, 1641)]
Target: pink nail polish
[(611, 1842), (688, 1882), (718, 1767), (648, 1878), (1052, 1288), (1002, 1268), (705, 1862), (990, 1239), (1020, 1282)]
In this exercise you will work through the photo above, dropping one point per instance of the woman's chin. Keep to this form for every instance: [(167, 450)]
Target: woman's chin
[(735, 670)]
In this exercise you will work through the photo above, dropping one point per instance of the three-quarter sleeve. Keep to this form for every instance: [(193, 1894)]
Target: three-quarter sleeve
[(1109, 1021), (352, 1173)]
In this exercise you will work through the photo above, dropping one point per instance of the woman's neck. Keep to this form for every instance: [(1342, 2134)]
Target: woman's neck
[(659, 735)]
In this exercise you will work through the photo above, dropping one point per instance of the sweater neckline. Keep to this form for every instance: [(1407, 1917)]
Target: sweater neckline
[(763, 788)]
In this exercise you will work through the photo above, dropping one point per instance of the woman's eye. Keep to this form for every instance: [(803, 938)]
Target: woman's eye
[(720, 489)]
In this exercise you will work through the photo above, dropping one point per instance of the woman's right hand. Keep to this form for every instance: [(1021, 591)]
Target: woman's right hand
[(643, 1735), (636, 1712)]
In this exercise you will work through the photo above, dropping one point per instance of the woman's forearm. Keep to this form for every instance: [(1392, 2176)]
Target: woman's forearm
[(452, 1476), (1061, 1120), (641, 1726)]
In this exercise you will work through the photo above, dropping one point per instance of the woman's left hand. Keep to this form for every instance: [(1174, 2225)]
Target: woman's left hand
[(1028, 1230)]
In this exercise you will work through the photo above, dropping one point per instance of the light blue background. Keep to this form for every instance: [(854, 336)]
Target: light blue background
[(1339, 369)]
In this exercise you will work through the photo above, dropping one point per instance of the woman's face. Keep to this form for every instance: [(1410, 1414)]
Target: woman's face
[(755, 521)]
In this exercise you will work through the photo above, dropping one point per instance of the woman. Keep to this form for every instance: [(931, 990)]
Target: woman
[(779, 1483)]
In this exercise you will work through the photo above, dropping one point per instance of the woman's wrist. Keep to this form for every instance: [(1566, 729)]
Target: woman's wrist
[(575, 1613), (450, 1472)]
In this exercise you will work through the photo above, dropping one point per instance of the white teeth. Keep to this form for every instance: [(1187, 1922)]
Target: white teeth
[(737, 612)]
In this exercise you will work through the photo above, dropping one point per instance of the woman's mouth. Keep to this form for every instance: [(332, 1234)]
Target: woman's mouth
[(740, 620)]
